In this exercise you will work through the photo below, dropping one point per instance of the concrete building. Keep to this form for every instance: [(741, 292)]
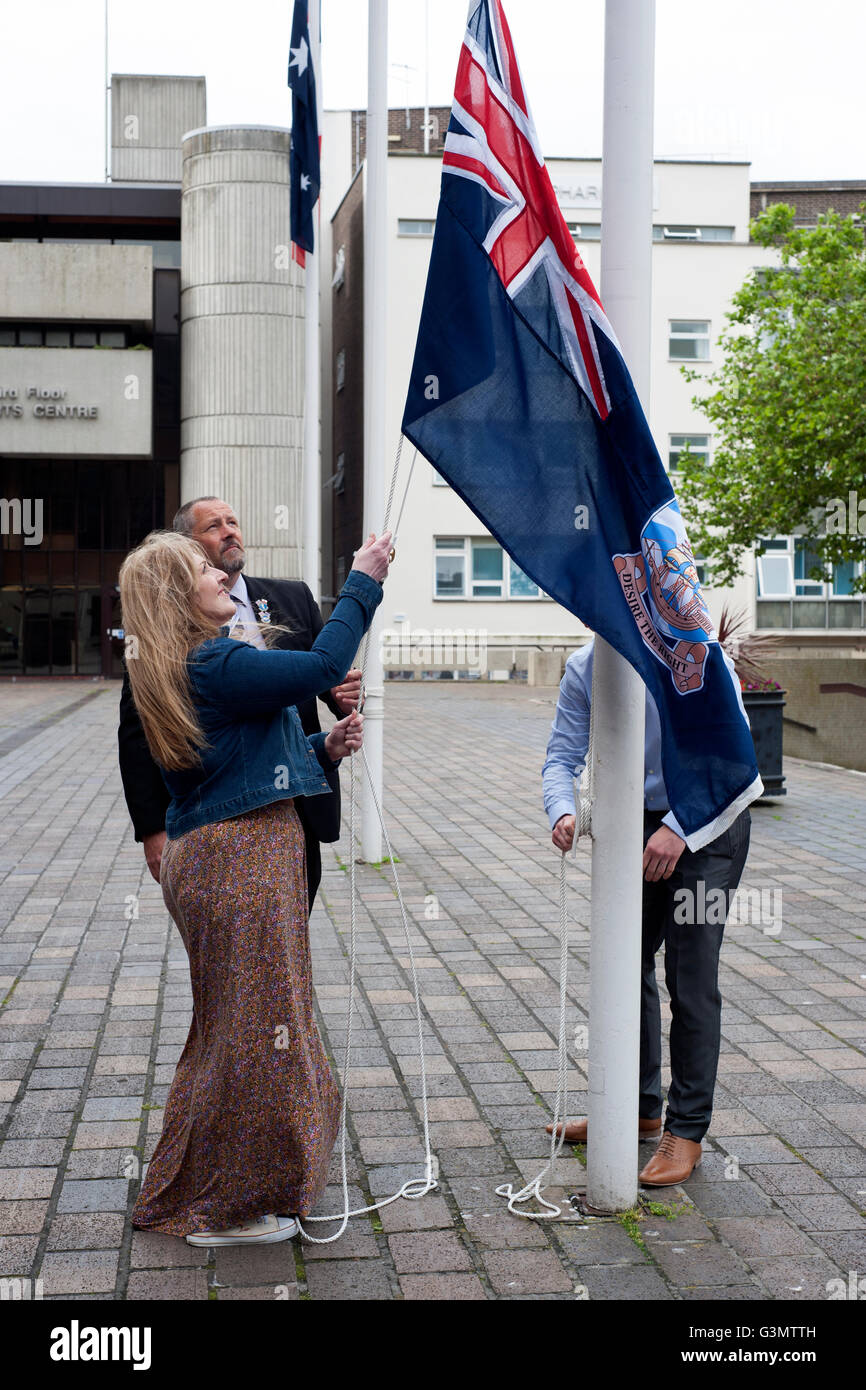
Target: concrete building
[(133, 377), (89, 410), (102, 433), (458, 578)]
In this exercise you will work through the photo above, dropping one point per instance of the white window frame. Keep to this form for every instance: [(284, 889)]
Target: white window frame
[(776, 551), (585, 231), (785, 546), (689, 337), (480, 543), (416, 226), (672, 448), (464, 545), (458, 548)]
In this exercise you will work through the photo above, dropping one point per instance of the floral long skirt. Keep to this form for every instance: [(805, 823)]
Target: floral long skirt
[(253, 1111)]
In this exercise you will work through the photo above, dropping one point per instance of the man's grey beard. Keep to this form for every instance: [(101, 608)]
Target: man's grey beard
[(232, 567)]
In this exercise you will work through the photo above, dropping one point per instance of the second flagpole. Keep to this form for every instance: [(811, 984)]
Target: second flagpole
[(312, 489), (618, 693), (375, 344)]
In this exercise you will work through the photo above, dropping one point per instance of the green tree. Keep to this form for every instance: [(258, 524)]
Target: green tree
[(788, 406)]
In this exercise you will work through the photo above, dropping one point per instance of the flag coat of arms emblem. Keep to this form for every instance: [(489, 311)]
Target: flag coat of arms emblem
[(520, 397)]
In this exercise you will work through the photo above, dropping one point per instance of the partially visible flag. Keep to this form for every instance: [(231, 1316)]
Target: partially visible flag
[(520, 397), (304, 159)]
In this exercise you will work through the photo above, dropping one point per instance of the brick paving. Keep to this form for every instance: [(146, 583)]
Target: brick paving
[(97, 1006)]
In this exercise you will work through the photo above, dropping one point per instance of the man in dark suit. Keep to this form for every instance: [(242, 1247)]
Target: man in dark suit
[(213, 523)]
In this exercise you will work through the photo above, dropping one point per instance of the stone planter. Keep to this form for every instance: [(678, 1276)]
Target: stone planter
[(764, 708)]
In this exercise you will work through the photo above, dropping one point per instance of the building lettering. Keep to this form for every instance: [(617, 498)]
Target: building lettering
[(46, 403)]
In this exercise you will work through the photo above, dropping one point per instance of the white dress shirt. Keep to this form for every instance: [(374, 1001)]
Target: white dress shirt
[(569, 743), (244, 625)]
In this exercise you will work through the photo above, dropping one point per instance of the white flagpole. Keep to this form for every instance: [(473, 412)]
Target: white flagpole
[(312, 487), (375, 319), (426, 76), (107, 97), (618, 693)]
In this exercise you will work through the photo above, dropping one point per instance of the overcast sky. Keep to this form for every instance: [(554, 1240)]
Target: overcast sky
[(777, 82)]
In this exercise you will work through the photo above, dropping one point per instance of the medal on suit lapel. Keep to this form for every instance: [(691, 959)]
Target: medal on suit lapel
[(264, 611)]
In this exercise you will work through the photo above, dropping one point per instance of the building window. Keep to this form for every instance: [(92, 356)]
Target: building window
[(672, 232), (519, 584), (450, 579), (805, 560), (477, 567), (775, 568), (339, 277), (789, 596), (585, 231), (33, 336), (698, 446), (341, 369), (413, 226), (486, 569), (690, 340)]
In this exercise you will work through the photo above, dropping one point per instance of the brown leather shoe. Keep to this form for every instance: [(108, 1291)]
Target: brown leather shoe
[(575, 1133), (672, 1162)]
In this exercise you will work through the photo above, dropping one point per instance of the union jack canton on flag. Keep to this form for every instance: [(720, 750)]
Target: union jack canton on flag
[(520, 397)]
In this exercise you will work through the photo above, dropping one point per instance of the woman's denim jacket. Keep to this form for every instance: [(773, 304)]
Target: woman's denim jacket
[(244, 698)]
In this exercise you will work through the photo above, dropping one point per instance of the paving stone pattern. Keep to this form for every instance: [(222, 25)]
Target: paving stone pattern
[(97, 1007)]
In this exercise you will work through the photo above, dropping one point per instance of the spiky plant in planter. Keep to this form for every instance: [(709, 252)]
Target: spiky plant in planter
[(747, 650), (762, 697)]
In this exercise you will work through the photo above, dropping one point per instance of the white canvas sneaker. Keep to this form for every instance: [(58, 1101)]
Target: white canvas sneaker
[(261, 1230)]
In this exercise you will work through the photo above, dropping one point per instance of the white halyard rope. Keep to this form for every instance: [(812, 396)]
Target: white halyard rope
[(414, 1187), (535, 1187), (418, 1187)]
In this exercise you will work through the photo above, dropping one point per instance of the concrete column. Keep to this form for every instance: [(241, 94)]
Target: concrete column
[(242, 340)]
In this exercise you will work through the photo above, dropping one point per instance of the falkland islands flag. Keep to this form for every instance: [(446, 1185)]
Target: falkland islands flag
[(520, 397)]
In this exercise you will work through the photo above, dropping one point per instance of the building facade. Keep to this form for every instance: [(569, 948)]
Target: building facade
[(458, 576), (151, 350), (135, 375), (456, 581), (89, 411)]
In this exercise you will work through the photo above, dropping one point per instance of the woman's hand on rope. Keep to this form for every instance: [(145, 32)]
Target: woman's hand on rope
[(563, 833), (372, 558), (348, 693), (346, 737)]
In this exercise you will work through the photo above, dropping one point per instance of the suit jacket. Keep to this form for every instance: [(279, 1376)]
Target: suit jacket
[(147, 796)]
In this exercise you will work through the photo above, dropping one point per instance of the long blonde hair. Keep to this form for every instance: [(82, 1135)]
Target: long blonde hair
[(162, 624)]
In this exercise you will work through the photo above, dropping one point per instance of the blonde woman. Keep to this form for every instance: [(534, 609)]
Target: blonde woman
[(253, 1111)]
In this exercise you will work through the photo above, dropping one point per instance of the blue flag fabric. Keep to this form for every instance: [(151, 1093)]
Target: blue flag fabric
[(520, 398), (304, 175)]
